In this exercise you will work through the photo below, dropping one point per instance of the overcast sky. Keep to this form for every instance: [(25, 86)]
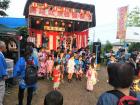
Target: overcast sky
[(106, 14)]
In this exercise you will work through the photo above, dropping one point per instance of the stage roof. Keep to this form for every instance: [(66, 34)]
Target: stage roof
[(70, 4)]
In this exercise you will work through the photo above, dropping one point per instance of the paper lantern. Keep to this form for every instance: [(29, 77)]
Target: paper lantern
[(34, 4), (56, 23), (19, 38), (63, 24), (55, 8), (69, 25), (64, 9), (45, 5), (82, 11), (37, 22), (73, 10), (47, 22)]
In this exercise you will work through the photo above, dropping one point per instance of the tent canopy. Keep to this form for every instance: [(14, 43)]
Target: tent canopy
[(13, 22), (4, 31), (69, 4)]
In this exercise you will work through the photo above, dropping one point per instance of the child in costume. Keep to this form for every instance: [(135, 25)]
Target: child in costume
[(42, 55), (71, 68), (50, 64), (91, 75), (56, 76)]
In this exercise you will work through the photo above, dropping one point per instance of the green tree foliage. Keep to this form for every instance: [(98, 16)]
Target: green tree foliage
[(108, 46), (134, 47), (24, 33), (4, 4), (134, 17)]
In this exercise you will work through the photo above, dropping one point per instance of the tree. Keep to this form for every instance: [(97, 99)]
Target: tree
[(24, 33), (134, 47), (4, 4), (108, 46), (134, 17)]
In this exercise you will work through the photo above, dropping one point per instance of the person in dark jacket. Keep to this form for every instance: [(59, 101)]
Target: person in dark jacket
[(121, 78), (53, 98), (3, 71), (20, 72)]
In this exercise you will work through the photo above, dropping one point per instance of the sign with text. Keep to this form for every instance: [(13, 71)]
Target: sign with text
[(60, 12), (122, 20), (49, 28)]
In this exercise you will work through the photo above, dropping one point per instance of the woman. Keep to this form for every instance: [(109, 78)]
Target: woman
[(20, 71)]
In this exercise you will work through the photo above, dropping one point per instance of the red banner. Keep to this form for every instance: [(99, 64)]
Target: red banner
[(60, 13), (122, 20)]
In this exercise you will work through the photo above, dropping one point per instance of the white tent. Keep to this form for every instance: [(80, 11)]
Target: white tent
[(133, 34)]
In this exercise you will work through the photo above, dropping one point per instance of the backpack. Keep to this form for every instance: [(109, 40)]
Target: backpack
[(31, 72), (125, 100)]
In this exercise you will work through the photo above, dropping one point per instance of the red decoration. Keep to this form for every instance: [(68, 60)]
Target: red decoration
[(34, 4), (69, 25), (64, 9), (56, 23), (45, 5), (47, 22), (73, 10), (37, 22), (63, 24), (19, 38), (82, 11), (55, 8)]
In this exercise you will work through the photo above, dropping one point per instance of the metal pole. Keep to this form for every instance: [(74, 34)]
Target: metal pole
[(18, 49)]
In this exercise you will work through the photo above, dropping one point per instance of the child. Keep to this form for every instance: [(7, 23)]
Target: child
[(77, 67), (56, 76), (80, 69), (70, 67), (42, 63), (91, 78), (53, 98), (50, 64)]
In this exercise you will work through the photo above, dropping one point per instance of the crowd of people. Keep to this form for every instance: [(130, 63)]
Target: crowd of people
[(64, 65)]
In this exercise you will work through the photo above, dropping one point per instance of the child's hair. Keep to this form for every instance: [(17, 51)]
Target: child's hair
[(92, 65), (53, 98), (55, 64)]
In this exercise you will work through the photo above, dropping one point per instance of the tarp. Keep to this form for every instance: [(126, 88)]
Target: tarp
[(7, 31), (13, 22)]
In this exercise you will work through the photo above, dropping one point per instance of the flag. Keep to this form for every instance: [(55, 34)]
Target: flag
[(121, 22)]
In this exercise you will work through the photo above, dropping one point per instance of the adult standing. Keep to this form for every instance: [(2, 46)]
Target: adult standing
[(21, 70), (3, 72)]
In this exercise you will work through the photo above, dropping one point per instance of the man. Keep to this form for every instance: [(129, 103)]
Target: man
[(3, 72)]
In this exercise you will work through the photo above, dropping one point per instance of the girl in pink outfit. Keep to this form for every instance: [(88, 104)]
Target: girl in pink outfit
[(42, 63), (91, 78), (50, 64)]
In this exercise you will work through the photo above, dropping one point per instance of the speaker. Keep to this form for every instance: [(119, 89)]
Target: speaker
[(98, 52), (99, 47)]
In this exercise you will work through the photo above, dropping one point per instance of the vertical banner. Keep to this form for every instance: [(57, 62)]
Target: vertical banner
[(121, 22)]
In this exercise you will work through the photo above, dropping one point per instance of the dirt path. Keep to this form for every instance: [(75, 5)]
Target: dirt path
[(74, 93)]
